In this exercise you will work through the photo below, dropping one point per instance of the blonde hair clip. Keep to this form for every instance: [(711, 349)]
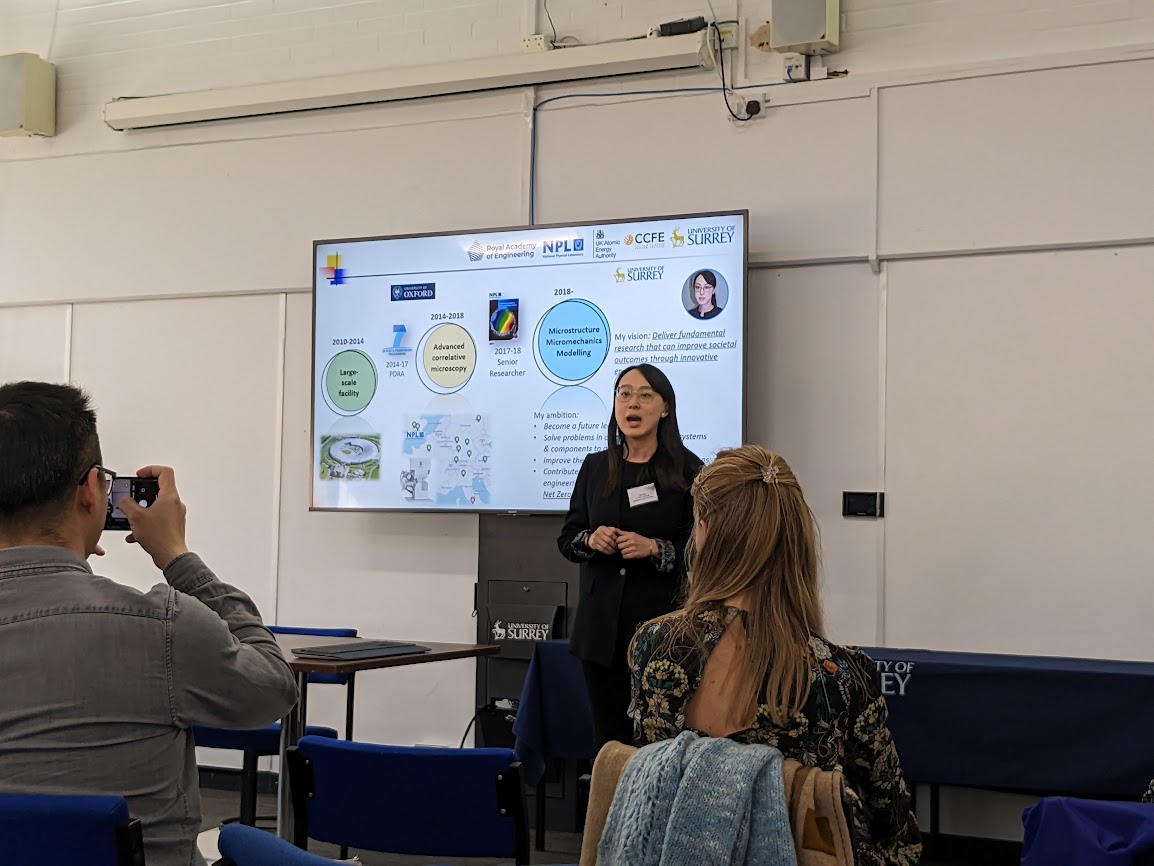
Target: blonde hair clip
[(769, 474)]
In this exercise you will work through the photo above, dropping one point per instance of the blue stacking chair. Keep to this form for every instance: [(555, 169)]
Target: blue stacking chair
[(409, 799), (97, 831), (247, 846), (265, 742)]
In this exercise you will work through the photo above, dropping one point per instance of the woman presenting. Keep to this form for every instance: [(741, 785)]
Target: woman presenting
[(629, 520)]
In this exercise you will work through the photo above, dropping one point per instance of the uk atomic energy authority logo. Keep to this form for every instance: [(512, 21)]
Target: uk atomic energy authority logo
[(333, 272)]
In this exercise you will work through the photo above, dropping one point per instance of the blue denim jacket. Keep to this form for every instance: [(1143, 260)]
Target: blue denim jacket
[(99, 684)]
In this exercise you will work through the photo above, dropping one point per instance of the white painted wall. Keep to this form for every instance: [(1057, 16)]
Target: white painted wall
[(1027, 365)]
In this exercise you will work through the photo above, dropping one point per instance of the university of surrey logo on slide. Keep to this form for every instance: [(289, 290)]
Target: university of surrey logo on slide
[(677, 238), (619, 276), (476, 252), (333, 272)]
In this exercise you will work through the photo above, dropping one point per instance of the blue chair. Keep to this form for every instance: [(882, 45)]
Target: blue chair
[(409, 799), (265, 742), (37, 828), (1066, 831), (247, 846)]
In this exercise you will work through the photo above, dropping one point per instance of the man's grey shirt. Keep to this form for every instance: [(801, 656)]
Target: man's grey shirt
[(100, 683)]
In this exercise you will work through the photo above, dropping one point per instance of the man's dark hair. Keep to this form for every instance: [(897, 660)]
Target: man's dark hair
[(47, 442)]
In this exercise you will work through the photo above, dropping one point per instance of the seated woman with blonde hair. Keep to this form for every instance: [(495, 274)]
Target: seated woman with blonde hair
[(746, 657)]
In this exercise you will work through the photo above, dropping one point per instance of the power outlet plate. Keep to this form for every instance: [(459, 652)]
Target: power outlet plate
[(730, 33), (794, 67), (535, 43)]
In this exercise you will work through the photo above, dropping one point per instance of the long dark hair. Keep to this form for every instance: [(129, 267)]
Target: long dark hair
[(671, 460), (711, 281)]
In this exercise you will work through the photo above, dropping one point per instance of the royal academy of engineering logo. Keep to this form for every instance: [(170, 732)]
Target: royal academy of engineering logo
[(332, 271), (476, 252), (640, 274), (711, 236)]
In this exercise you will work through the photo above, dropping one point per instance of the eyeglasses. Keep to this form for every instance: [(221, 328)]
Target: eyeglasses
[(108, 475), (644, 395)]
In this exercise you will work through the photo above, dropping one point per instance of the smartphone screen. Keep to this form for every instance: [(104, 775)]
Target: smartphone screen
[(121, 488), (143, 490)]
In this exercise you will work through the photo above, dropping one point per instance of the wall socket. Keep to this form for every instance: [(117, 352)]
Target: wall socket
[(537, 42), (795, 67), (730, 33)]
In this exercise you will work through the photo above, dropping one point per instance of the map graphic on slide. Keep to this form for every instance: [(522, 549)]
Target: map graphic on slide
[(351, 457), (449, 459)]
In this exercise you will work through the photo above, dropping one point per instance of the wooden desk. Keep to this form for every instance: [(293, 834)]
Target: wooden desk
[(293, 725)]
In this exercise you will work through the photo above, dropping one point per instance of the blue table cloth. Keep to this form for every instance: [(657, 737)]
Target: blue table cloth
[(1021, 723), (554, 719)]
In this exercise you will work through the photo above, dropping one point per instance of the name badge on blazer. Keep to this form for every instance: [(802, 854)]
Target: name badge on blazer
[(642, 495)]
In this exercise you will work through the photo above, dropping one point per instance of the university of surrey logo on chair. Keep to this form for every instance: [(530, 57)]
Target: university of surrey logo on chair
[(499, 632)]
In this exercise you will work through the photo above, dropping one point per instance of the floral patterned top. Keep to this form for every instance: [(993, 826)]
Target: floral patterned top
[(843, 726)]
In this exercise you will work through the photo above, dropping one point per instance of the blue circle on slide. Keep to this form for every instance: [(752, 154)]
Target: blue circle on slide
[(572, 341)]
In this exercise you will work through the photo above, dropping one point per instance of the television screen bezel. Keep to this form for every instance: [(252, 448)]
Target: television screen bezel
[(744, 214)]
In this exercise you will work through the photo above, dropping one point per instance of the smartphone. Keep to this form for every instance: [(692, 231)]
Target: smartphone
[(142, 490)]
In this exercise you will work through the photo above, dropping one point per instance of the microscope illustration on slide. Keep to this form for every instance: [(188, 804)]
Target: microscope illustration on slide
[(415, 479)]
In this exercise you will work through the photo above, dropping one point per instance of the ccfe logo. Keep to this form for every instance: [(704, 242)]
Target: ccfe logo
[(646, 240)]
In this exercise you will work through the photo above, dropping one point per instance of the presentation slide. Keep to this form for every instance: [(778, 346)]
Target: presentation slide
[(474, 372)]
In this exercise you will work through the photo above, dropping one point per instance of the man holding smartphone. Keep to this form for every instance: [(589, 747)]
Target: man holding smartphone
[(101, 682)]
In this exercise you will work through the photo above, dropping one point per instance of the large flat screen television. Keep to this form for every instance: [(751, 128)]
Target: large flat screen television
[(473, 371)]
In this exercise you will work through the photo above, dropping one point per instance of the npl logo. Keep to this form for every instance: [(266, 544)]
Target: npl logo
[(570, 248)]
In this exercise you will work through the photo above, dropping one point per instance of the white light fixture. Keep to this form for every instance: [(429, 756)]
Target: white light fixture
[(414, 82)]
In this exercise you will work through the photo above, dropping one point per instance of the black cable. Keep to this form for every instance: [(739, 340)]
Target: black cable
[(476, 716), (551, 24), (724, 87)]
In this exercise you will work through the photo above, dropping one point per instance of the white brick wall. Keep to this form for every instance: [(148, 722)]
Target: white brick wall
[(110, 48)]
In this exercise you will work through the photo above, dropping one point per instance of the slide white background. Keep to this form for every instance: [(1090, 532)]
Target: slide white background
[(458, 420)]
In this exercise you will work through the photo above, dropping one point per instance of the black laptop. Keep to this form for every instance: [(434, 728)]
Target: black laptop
[(360, 650)]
